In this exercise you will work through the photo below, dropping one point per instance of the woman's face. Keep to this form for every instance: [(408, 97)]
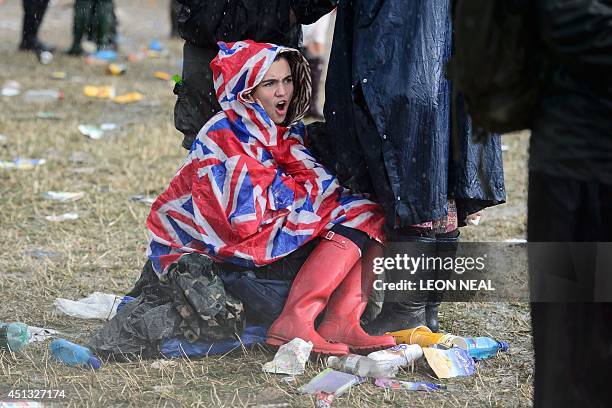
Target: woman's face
[(275, 91)]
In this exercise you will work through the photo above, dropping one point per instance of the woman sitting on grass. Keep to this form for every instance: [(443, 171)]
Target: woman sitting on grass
[(250, 193)]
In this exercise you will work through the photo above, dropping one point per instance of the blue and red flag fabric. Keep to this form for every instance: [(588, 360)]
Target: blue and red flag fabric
[(249, 192)]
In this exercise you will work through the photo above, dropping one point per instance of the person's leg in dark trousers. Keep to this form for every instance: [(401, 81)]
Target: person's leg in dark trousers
[(572, 340), (197, 100), (82, 15), (33, 13), (175, 6)]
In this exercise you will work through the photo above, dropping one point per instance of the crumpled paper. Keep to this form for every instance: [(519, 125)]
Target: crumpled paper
[(98, 305), (41, 333), (290, 358)]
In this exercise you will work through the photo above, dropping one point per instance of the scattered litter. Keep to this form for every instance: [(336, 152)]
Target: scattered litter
[(108, 126), (136, 56), (128, 98), (14, 336), (3, 138), (62, 217), (407, 386), (505, 148), (324, 399), (161, 364), (43, 95), (106, 55), (91, 131), (22, 163), (424, 337), (96, 306), (480, 348), (448, 363), (162, 75), (45, 57), (59, 75), (82, 170), (63, 196), (142, 199), (50, 116), (401, 355), (289, 379), (362, 366), (101, 92), (516, 240), (156, 50), (41, 333), (475, 220), (73, 354), (116, 69), (331, 382), (290, 358), (39, 253), (11, 88), (155, 45)]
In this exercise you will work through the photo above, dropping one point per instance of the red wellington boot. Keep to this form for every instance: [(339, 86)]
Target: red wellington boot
[(325, 268), (341, 322)]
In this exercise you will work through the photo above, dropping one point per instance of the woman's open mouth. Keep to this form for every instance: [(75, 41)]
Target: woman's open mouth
[(281, 108)]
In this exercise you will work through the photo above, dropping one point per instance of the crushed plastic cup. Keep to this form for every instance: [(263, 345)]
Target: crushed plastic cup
[(424, 337), (290, 358), (11, 88), (62, 217), (130, 97), (22, 164), (63, 196), (101, 92)]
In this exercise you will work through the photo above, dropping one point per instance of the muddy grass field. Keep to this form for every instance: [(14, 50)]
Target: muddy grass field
[(104, 249)]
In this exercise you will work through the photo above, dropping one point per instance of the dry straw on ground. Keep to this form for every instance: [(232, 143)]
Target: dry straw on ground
[(104, 249)]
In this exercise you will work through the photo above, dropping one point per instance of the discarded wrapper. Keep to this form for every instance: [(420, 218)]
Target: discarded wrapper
[(91, 131), (324, 399), (62, 217), (128, 98), (332, 382), (59, 75), (101, 92), (290, 358), (41, 333), (142, 199), (63, 196), (162, 75), (393, 384), (448, 363), (11, 88), (22, 164), (95, 306)]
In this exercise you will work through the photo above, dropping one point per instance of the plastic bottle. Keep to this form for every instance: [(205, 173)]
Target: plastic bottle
[(401, 355), (481, 348), (13, 336), (362, 366), (73, 354), (43, 95)]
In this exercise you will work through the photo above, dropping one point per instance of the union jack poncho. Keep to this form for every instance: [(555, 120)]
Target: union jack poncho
[(249, 192)]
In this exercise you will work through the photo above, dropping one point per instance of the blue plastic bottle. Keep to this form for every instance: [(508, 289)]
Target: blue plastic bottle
[(13, 336), (481, 348), (73, 354)]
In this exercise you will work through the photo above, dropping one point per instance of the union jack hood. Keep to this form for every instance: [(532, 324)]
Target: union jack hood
[(249, 192)]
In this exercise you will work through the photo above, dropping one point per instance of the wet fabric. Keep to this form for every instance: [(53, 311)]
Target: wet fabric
[(250, 192), (389, 111), (190, 301)]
